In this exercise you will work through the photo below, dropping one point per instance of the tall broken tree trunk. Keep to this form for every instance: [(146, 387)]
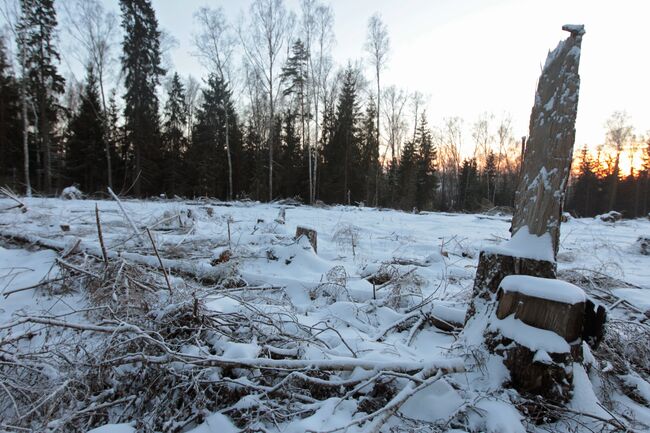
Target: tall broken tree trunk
[(549, 150), (546, 166), (506, 311)]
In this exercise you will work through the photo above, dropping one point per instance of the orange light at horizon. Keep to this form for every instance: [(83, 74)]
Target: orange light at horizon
[(607, 158)]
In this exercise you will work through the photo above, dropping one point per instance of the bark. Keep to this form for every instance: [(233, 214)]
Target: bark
[(311, 235), (493, 268), (549, 150)]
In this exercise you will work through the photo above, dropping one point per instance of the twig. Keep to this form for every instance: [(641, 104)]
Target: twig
[(11, 195), (126, 215), (382, 415), (101, 237), (162, 266), (33, 286)]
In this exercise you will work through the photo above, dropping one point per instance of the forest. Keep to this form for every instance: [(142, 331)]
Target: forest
[(273, 117)]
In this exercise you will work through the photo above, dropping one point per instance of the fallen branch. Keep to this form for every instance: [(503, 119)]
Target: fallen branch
[(12, 196), (202, 271), (101, 237), (136, 232), (162, 266)]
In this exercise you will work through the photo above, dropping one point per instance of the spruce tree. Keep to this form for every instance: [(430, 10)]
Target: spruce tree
[(469, 186), (141, 66), (85, 157), (407, 177), (292, 180), (10, 132), (490, 174), (370, 167), (585, 187), (295, 75), (426, 166), (206, 159), (174, 141), (40, 56), (340, 172)]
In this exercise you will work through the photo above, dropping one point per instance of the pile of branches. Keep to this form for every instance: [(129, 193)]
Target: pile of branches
[(138, 350)]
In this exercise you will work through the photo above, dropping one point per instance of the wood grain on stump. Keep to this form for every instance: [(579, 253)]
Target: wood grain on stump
[(311, 235), (564, 319)]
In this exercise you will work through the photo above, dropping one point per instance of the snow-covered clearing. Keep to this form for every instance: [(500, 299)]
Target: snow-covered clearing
[(362, 356)]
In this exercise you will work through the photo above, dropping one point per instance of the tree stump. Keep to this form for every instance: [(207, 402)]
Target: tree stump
[(519, 311), (539, 331), (311, 235), (493, 267)]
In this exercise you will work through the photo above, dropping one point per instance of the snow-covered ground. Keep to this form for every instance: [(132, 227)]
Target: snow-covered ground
[(414, 258)]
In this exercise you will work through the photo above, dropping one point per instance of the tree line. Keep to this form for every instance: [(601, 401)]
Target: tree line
[(273, 117), (600, 184)]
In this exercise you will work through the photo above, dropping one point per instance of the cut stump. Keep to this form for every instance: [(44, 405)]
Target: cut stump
[(311, 235), (493, 268)]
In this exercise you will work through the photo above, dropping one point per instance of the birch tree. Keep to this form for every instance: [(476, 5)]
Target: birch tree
[(264, 41), (377, 46), (215, 44), (94, 31), (619, 134), (11, 13), (317, 23)]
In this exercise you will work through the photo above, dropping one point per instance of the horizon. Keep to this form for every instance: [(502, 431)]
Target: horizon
[(612, 78)]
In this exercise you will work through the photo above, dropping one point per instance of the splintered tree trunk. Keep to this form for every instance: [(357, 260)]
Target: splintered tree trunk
[(509, 316), (546, 166), (549, 150)]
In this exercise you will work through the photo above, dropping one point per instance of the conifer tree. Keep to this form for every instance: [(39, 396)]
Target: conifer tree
[(426, 165), (292, 179), (10, 134), (295, 74), (40, 56), (206, 158), (407, 177), (585, 187), (370, 153), (174, 140), (469, 187), (341, 153), (141, 65), (85, 160), (490, 175)]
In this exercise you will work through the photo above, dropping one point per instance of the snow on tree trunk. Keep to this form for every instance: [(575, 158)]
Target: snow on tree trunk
[(519, 311), (549, 150)]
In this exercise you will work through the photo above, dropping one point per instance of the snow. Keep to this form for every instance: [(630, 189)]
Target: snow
[(637, 382), (526, 245), (533, 338), (71, 193), (215, 423), (433, 404), (444, 247), (113, 428), (584, 399), (640, 298), (498, 417), (544, 288)]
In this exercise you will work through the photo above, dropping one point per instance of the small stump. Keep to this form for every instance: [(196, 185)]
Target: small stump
[(311, 235), (539, 333)]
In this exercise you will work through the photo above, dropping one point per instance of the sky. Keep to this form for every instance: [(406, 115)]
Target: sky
[(475, 56)]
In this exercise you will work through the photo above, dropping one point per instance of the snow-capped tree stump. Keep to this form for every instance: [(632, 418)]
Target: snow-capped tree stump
[(538, 330), (311, 234), (494, 267), (522, 312), (546, 166), (543, 303)]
